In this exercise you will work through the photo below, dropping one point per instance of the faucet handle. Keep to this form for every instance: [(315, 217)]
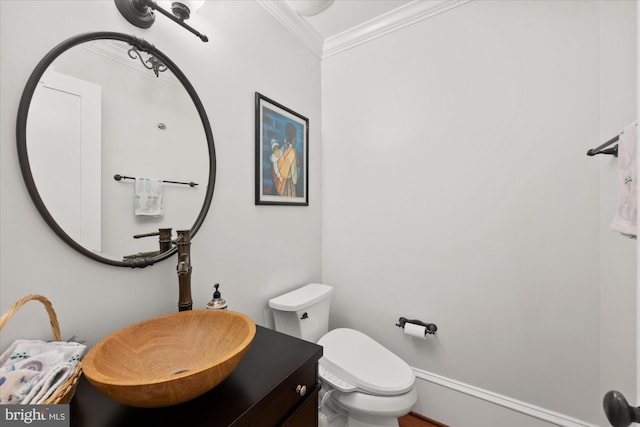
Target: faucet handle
[(139, 236), (183, 238), (164, 240), (164, 233)]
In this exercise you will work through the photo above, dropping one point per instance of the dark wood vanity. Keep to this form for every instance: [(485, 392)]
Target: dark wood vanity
[(275, 384)]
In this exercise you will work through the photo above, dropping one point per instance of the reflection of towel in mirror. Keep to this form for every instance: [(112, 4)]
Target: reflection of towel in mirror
[(31, 370), (148, 197), (625, 216)]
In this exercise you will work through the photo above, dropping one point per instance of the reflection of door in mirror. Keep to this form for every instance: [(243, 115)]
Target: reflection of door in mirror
[(64, 132)]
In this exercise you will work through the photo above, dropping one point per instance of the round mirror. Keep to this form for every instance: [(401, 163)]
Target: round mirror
[(115, 148)]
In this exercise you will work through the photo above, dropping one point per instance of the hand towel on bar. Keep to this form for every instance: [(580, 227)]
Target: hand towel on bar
[(148, 197), (32, 370), (625, 216)]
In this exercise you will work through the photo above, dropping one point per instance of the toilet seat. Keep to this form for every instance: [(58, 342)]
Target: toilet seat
[(352, 361), (335, 381)]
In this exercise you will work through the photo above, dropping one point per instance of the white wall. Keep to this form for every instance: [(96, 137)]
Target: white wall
[(457, 191), (253, 252), (451, 178)]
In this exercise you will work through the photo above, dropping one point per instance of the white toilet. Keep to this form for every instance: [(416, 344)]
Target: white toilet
[(363, 383)]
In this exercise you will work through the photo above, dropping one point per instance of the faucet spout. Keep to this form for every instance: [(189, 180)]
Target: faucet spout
[(183, 269)]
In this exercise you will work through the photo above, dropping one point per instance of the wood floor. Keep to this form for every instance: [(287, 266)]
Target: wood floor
[(415, 420)]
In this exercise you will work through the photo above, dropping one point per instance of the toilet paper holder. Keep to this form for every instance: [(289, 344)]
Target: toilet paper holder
[(430, 328)]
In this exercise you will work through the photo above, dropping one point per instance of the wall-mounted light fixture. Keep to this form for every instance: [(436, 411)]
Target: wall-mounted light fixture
[(140, 13)]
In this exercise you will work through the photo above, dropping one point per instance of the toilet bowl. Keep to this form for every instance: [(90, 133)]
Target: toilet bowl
[(363, 383)]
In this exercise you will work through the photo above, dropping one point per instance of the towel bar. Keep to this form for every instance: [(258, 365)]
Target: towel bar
[(119, 177), (600, 149)]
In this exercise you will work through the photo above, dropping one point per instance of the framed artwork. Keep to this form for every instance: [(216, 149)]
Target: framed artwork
[(282, 154)]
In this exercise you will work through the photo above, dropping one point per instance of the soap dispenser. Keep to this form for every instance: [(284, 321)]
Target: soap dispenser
[(217, 303)]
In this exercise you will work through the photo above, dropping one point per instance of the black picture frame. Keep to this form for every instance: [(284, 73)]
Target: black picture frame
[(282, 154)]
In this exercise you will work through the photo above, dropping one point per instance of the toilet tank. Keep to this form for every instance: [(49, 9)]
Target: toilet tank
[(303, 312)]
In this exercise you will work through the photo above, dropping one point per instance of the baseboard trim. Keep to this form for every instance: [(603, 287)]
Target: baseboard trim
[(501, 400)]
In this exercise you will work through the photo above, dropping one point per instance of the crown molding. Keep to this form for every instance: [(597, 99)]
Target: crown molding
[(295, 24), (389, 22), (117, 52)]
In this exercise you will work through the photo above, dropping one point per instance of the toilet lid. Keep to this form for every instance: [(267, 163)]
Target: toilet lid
[(357, 359)]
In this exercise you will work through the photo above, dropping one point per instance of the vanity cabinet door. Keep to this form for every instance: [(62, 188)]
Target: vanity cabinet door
[(307, 414), (287, 397)]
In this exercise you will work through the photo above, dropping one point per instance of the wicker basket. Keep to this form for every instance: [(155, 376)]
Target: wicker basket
[(64, 393)]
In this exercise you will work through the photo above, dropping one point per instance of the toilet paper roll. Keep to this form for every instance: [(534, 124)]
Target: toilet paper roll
[(414, 330)]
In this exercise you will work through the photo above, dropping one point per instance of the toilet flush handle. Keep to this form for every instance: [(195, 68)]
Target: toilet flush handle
[(304, 316)]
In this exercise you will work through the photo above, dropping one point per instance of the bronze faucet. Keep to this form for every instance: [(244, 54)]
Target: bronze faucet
[(183, 242)]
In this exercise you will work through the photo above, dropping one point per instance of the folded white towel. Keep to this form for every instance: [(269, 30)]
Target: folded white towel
[(626, 214), (31, 370), (48, 383), (148, 197)]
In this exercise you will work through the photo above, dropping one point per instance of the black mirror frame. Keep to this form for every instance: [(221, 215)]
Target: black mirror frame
[(21, 140)]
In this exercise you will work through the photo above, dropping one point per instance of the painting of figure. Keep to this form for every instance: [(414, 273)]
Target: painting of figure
[(281, 154)]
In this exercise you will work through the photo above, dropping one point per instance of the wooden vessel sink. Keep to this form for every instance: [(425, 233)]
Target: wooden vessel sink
[(169, 359)]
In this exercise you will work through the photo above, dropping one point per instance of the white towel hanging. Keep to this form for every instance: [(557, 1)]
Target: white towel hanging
[(148, 197)]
